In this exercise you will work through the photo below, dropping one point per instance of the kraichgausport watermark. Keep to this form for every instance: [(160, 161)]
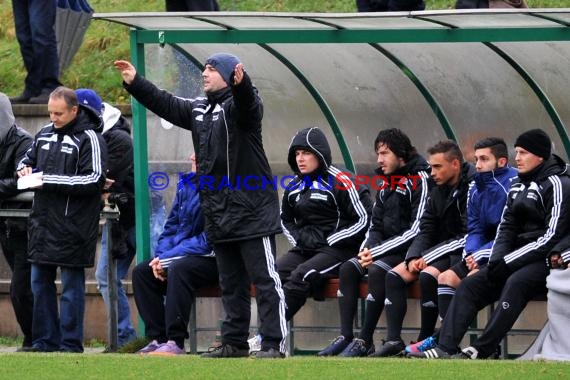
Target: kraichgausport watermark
[(342, 181)]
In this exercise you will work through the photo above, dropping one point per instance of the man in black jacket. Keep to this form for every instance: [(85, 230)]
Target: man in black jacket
[(394, 225), (535, 219), (14, 142), (67, 157), (437, 247), (118, 192), (241, 218)]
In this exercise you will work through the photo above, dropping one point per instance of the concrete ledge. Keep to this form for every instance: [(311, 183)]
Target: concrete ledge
[(90, 287)]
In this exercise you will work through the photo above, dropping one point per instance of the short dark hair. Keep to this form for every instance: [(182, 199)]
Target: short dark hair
[(397, 141), (449, 148), (497, 145), (67, 94)]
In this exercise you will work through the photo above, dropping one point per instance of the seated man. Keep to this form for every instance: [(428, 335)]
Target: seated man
[(487, 198), (395, 223), (184, 256), (436, 248), (324, 218), (535, 219)]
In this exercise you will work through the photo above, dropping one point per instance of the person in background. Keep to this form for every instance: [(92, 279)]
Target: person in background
[(395, 223), (535, 219), (183, 262), (14, 142), (68, 157), (119, 192), (435, 249), (323, 218), (35, 31), (390, 5), (486, 202)]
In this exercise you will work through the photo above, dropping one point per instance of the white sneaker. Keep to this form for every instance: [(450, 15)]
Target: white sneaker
[(254, 343)]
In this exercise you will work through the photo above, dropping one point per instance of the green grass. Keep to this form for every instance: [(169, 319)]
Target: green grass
[(105, 42), (117, 366)]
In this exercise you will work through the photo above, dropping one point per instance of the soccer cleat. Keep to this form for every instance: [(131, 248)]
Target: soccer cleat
[(254, 343), (336, 347), (152, 346), (271, 353), (357, 348), (169, 348), (434, 353), (422, 345), (467, 353), (390, 348), (226, 351)]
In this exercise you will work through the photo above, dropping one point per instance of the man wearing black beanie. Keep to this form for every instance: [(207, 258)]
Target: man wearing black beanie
[(535, 219), (241, 221)]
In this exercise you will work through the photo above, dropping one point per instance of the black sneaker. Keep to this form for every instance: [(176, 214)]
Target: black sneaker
[(226, 351), (434, 353), (336, 347), (23, 98), (358, 348), (272, 353), (42, 98), (390, 348)]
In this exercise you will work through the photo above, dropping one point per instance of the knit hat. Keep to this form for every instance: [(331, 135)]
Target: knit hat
[(536, 141), (225, 64), (88, 97)]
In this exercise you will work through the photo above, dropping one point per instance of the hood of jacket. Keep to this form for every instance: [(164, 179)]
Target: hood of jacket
[(111, 116), (7, 118), (313, 140)]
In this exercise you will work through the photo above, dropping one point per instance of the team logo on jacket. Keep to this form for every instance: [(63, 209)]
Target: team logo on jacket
[(45, 146), (318, 196)]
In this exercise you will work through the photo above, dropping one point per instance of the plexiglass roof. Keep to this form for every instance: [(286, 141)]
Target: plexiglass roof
[(447, 74)]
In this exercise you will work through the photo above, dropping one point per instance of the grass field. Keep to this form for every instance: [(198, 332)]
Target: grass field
[(106, 42), (117, 366)]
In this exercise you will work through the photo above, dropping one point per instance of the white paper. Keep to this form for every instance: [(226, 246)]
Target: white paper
[(30, 181)]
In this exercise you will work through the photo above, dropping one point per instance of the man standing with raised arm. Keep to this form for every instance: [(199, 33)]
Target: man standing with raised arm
[(241, 222)]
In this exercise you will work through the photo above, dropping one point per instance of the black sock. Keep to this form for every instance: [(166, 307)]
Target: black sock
[(428, 285), (350, 277), (445, 294), (374, 301), (396, 305)]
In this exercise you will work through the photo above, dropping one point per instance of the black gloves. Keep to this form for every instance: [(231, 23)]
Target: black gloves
[(498, 270)]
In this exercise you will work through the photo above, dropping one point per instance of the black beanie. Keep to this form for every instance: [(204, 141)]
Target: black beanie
[(536, 141)]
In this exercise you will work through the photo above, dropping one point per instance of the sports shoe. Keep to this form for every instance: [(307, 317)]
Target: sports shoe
[(357, 348), (152, 346), (254, 343), (271, 353), (466, 353), (226, 351), (169, 348), (422, 345), (336, 347), (434, 353), (390, 348)]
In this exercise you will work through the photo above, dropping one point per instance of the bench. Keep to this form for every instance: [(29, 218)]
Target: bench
[(330, 292)]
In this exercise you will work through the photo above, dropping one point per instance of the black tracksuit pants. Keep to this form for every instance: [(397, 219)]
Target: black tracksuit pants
[(241, 263), (476, 291), (304, 274), (15, 247), (169, 320)]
